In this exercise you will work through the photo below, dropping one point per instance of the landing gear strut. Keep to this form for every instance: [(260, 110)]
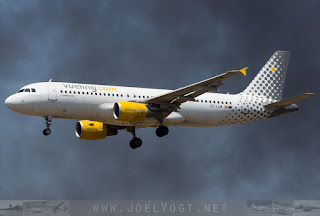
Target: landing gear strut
[(162, 131), (135, 142), (47, 131)]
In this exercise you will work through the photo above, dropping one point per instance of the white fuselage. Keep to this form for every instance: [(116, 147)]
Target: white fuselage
[(95, 102)]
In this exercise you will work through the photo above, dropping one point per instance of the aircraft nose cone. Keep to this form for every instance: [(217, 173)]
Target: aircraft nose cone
[(10, 102)]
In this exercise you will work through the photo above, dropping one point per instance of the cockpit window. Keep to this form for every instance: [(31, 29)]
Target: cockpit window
[(27, 90)]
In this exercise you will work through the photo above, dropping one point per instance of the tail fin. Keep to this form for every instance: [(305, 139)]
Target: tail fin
[(269, 82)]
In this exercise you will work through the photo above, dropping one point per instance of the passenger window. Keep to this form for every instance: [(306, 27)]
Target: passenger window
[(100, 94), (91, 93), (87, 93), (139, 96), (206, 101), (201, 101), (108, 94), (147, 96), (70, 92), (78, 92), (112, 95), (61, 91), (33, 90), (74, 92), (104, 94), (95, 93), (27, 90), (134, 96), (82, 92), (117, 95), (121, 95), (209, 101), (143, 96), (65, 92)]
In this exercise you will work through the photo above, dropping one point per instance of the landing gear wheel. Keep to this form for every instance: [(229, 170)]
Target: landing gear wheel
[(162, 131), (135, 143), (46, 132)]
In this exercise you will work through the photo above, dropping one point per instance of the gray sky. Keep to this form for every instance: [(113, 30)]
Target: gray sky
[(159, 44)]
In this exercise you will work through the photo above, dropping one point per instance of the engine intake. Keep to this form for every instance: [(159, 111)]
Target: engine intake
[(93, 130), (130, 111)]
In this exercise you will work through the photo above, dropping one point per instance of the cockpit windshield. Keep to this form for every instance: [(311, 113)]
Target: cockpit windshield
[(27, 90)]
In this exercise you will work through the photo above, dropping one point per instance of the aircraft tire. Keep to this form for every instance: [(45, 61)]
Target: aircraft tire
[(135, 143), (162, 131), (46, 132)]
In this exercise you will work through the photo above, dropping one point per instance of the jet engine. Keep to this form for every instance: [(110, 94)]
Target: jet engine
[(93, 130), (131, 111)]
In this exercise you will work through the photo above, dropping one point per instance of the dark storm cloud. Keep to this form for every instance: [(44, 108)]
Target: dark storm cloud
[(161, 44)]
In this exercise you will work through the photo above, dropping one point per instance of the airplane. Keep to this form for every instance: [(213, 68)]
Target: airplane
[(13, 208), (306, 208), (107, 108), (259, 208), (54, 208), (20, 208)]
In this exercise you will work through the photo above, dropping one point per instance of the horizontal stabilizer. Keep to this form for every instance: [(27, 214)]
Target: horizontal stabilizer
[(289, 101)]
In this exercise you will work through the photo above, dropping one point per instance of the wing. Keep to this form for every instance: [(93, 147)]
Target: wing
[(175, 98)]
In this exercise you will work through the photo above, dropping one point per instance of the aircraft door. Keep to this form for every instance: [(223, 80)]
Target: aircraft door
[(52, 93)]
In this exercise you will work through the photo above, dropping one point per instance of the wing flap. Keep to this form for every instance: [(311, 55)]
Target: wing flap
[(289, 101)]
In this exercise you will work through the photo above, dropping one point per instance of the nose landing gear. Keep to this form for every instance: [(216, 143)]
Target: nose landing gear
[(47, 131)]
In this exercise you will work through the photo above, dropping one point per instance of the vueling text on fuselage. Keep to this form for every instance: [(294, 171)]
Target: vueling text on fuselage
[(89, 87)]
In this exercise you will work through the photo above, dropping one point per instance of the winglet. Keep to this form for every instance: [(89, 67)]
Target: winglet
[(244, 71)]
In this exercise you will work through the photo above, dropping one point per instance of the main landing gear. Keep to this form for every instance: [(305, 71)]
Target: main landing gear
[(162, 131), (47, 131), (135, 142)]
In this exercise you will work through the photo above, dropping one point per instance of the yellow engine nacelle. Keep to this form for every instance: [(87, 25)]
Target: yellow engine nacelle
[(92, 130), (130, 111)]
